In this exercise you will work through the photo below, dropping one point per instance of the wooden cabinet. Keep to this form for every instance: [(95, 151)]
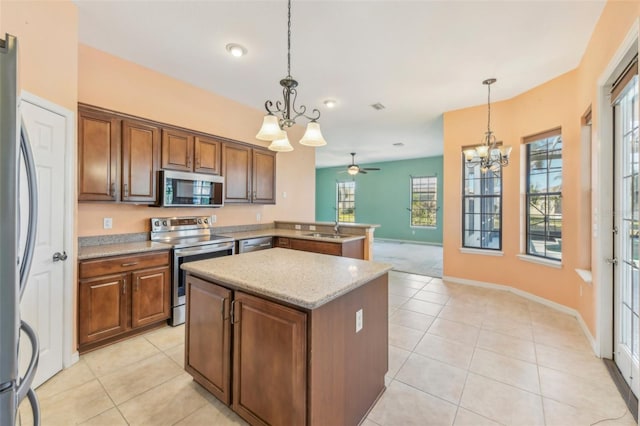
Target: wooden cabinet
[(120, 296), (117, 157), (290, 366), (208, 337), (187, 152), (250, 174), (269, 362), (98, 152), (140, 156), (353, 249), (269, 352)]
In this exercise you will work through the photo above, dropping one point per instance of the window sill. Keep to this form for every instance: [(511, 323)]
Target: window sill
[(540, 261), (482, 252), (585, 275)]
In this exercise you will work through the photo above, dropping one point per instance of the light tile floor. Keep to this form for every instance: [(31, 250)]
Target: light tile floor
[(458, 355)]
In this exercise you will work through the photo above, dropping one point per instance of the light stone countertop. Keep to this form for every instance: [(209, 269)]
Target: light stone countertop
[(290, 233), (303, 279), (105, 250)]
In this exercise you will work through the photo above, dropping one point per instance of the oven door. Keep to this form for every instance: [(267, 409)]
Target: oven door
[(191, 254)]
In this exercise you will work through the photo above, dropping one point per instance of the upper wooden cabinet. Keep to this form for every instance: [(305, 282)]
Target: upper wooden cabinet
[(250, 174), (140, 157), (117, 157), (188, 152), (98, 152)]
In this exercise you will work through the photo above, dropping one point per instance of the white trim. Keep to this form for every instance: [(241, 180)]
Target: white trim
[(602, 182), (533, 298), (540, 261), (467, 250), (69, 354), (585, 275)]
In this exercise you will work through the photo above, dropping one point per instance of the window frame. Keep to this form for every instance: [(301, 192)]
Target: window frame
[(434, 201), (339, 201), (547, 195), (478, 199)]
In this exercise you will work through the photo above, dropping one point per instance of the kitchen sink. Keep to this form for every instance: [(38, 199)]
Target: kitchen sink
[(322, 235)]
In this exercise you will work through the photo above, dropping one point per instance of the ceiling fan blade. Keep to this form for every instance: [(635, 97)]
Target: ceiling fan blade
[(371, 168), (362, 171)]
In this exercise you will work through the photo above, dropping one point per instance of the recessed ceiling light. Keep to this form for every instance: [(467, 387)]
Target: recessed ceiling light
[(330, 103), (398, 144), (236, 50), (377, 106)]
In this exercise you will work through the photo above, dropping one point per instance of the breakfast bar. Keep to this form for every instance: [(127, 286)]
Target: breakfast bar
[(287, 337)]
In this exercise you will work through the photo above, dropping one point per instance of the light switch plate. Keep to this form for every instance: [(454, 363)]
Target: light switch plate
[(359, 320), (298, 227), (312, 227), (107, 223), (214, 219)]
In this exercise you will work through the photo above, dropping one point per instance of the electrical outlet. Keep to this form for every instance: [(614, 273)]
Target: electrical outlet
[(284, 194), (214, 219), (258, 217), (107, 223), (312, 227), (298, 227), (359, 320)]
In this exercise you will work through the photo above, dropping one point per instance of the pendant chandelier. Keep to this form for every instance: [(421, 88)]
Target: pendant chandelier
[(284, 114), (491, 154)]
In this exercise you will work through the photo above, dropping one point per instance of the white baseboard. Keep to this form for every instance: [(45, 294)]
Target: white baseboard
[(392, 240), (75, 357), (534, 298)]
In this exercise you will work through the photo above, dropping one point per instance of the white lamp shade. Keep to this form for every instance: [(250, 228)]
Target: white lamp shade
[(469, 154), (281, 144), (505, 150), (312, 136), (270, 129), (353, 170), (482, 150)]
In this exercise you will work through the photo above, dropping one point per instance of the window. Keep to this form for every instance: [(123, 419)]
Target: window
[(481, 208), (544, 195), (346, 201), (424, 198)]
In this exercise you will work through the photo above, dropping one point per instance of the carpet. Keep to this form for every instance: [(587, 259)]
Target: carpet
[(421, 259)]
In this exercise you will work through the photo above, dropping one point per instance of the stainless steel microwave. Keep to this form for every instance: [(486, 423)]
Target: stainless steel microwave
[(183, 189)]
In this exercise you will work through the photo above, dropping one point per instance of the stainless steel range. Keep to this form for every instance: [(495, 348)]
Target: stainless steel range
[(192, 238)]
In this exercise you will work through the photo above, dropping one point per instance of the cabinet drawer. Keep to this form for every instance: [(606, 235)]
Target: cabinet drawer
[(111, 265), (282, 242)]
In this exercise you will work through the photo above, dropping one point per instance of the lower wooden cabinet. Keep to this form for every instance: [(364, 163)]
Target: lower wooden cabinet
[(120, 296), (353, 249), (269, 353)]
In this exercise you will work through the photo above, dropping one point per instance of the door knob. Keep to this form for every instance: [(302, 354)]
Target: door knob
[(57, 256)]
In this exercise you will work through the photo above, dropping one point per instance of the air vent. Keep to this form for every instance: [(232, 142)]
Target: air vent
[(398, 144), (377, 106)]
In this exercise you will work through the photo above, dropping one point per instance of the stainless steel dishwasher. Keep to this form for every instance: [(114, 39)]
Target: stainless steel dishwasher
[(254, 244)]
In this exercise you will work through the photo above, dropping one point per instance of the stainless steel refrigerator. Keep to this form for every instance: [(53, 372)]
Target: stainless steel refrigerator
[(15, 262)]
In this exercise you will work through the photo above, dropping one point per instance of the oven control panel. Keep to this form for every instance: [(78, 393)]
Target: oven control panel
[(164, 224)]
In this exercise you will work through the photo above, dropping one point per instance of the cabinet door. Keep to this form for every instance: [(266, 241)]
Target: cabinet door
[(102, 308), (140, 160), (207, 155), (236, 169), (264, 177), (98, 149), (208, 337), (269, 362), (177, 150), (150, 296)]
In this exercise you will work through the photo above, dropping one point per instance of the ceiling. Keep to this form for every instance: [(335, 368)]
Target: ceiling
[(418, 58)]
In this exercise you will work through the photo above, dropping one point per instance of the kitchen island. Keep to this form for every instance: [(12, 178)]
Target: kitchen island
[(289, 337)]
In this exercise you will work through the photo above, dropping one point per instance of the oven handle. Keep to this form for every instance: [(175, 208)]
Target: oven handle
[(208, 249)]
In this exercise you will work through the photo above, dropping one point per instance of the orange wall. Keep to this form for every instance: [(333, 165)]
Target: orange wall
[(559, 102), (47, 33), (110, 82)]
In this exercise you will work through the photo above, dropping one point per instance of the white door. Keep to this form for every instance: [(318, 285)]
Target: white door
[(42, 303), (626, 286)]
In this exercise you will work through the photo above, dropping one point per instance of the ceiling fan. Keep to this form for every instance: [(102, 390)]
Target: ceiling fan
[(353, 169)]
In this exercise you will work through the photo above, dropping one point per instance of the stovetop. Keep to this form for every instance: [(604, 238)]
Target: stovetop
[(193, 240)]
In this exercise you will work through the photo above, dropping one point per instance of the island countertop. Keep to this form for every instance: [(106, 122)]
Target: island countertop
[(303, 279)]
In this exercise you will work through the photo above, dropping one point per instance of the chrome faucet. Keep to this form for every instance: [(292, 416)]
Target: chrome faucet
[(336, 228)]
